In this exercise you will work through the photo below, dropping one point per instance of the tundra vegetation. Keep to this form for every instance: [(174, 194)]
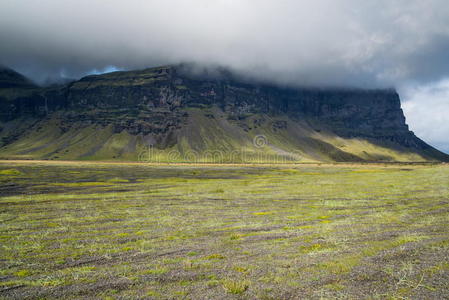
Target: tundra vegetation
[(116, 230)]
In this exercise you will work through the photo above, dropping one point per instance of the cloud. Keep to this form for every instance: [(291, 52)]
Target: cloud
[(321, 42), (426, 109)]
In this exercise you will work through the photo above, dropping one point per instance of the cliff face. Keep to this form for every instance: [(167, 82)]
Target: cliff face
[(164, 107)]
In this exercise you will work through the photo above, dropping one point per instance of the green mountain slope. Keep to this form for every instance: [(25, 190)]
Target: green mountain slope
[(209, 136)]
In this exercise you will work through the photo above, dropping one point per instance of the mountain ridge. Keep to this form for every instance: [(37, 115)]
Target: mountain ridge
[(171, 115)]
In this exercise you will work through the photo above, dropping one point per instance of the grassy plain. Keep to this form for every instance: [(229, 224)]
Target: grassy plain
[(93, 230)]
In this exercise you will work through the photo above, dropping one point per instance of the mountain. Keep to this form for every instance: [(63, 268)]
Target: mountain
[(10, 79), (170, 114)]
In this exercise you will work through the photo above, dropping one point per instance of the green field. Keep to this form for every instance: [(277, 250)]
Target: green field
[(127, 231)]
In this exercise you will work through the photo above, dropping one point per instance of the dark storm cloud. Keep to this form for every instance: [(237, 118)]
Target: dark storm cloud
[(347, 42)]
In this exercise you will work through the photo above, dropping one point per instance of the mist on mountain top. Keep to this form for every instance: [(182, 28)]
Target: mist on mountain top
[(348, 42)]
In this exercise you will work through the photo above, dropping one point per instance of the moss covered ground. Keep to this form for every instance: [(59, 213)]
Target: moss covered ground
[(127, 231)]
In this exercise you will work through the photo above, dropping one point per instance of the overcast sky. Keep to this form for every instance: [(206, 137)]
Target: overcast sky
[(369, 43)]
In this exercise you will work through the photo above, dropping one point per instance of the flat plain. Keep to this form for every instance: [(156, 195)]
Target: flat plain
[(127, 231)]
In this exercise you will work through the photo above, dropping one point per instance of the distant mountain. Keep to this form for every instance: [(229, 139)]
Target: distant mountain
[(11, 79), (167, 114)]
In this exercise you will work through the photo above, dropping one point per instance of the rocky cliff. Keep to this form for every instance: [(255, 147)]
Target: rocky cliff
[(178, 116)]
